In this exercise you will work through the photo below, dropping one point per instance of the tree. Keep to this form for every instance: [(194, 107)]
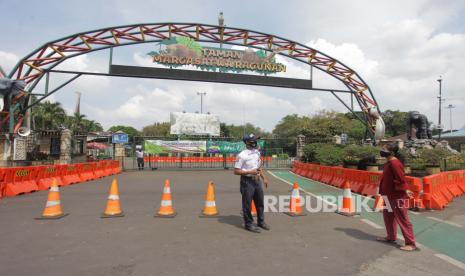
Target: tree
[(239, 131), (49, 115), (129, 130), (157, 129), (395, 122), (91, 126)]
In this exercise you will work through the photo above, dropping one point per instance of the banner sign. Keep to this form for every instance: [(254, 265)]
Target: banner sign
[(225, 147), (194, 124), (181, 51), (182, 146), (119, 138)]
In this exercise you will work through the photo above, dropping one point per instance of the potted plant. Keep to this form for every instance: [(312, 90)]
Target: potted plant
[(351, 157), (329, 155), (433, 158)]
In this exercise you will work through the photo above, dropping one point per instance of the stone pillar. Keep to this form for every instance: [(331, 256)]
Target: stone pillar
[(119, 151), (65, 146), (300, 146)]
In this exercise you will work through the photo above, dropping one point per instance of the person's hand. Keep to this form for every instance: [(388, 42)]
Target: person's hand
[(253, 172), (409, 193), (266, 184)]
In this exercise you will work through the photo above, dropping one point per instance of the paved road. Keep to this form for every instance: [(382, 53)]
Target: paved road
[(139, 244)]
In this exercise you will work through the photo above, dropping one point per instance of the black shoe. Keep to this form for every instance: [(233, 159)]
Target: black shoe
[(252, 228), (264, 226)]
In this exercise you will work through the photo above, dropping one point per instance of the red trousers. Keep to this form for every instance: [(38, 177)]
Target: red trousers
[(398, 216)]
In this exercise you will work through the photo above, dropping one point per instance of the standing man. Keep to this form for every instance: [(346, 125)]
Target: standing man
[(140, 157), (248, 165)]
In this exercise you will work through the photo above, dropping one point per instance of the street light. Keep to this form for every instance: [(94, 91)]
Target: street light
[(221, 24), (450, 106), (440, 105), (201, 94)]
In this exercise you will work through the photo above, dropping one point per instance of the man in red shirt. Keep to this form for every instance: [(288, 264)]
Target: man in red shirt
[(393, 187)]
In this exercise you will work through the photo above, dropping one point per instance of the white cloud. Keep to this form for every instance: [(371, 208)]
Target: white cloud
[(8, 61)]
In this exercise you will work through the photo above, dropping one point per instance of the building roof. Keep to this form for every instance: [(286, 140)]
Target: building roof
[(455, 134)]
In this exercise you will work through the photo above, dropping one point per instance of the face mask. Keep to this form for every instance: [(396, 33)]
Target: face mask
[(384, 153)]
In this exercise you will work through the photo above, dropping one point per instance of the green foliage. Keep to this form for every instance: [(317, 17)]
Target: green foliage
[(395, 122), (129, 130), (360, 155), (323, 125), (310, 152), (433, 157), (48, 115), (239, 130), (157, 129), (329, 155)]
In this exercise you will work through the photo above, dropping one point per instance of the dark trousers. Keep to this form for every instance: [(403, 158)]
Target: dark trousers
[(140, 163), (398, 216), (251, 188)]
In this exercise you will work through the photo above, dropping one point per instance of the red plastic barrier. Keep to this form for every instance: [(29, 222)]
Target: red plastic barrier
[(371, 182), (87, 171), (338, 177), (327, 174), (21, 180), (47, 174), (2, 182), (70, 174), (460, 178), (450, 181), (433, 198)]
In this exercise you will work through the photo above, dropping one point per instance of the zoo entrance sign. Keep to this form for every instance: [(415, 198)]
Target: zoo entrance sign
[(180, 51)]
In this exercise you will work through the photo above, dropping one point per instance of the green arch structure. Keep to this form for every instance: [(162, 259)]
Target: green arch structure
[(32, 68)]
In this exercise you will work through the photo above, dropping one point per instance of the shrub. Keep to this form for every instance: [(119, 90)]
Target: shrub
[(329, 155), (310, 152), (360, 155), (433, 157)]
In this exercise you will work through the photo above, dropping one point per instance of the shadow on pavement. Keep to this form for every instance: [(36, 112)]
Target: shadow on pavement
[(233, 220), (355, 233)]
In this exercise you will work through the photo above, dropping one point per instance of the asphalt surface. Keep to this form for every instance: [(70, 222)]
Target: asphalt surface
[(139, 244)]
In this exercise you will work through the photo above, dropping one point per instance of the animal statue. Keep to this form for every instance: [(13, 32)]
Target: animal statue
[(420, 122)]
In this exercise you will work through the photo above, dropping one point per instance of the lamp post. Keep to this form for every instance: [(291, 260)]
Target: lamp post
[(221, 24), (440, 105), (201, 94), (450, 106)]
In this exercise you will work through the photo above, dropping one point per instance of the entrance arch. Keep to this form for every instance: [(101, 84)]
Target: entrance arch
[(33, 67)]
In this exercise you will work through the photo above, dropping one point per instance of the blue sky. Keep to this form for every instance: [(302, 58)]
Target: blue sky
[(399, 48)]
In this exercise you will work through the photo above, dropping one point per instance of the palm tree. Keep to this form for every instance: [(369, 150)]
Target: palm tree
[(49, 115), (75, 123), (91, 126)]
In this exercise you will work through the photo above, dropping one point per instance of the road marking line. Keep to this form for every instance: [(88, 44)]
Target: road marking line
[(450, 260), (445, 221), (291, 184), (372, 224), (415, 213)]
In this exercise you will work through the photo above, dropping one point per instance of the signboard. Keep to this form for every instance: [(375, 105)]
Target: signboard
[(181, 51), (194, 124), (225, 147), (119, 138), (183, 146)]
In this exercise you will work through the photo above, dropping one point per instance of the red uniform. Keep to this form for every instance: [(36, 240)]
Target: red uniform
[(393, 185)]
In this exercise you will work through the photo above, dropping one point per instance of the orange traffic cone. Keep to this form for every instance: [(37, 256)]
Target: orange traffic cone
[(295, 204), (378, 206), (53, 207), (253, 209), (113, 208), (210, 206), (166, 206), (348, 208)]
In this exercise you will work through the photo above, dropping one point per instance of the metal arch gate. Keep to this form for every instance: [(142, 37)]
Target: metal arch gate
[(32, 68)]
